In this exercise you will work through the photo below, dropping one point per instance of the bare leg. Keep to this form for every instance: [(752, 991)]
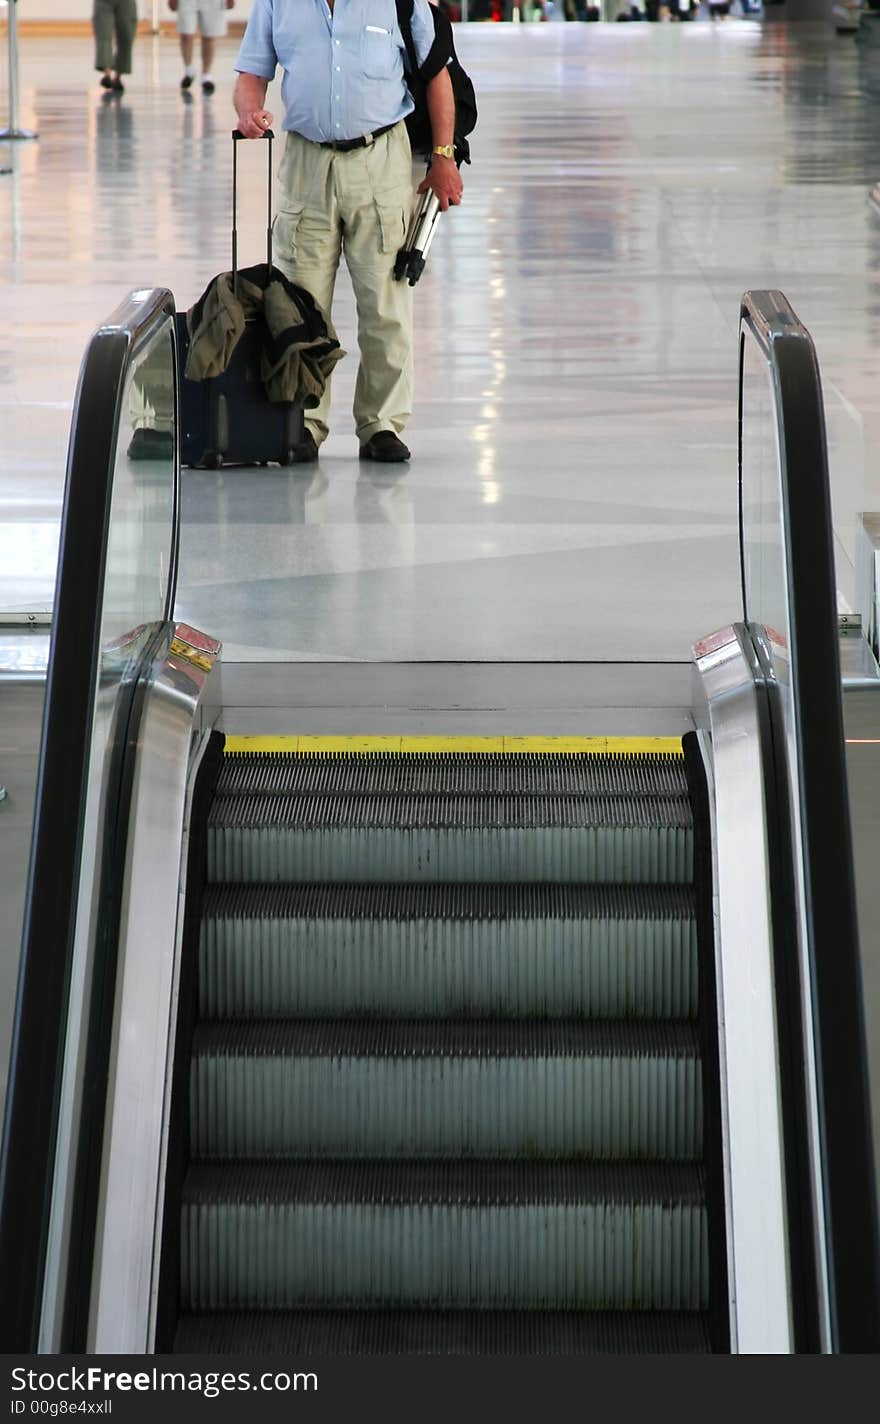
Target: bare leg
[(209, 49), (187, 46)]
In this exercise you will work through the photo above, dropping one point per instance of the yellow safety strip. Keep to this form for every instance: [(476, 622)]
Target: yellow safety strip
[(620, 746)]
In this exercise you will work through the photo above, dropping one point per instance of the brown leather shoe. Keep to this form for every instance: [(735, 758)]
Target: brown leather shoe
[(384, 446)]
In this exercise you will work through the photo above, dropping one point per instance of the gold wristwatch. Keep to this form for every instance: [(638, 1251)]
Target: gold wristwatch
[(445, 150)]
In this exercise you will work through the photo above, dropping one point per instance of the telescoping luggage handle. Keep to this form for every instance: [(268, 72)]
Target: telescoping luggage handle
[(235, 139)]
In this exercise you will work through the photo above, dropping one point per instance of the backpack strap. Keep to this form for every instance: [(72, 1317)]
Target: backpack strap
[(440, 52), (404, 20)]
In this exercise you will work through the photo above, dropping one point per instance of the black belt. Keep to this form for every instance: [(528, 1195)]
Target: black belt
[(345, 145)]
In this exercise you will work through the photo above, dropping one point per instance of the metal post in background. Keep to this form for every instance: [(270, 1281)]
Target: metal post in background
[(155, 48), (4, 171), (13, 131), (464, 12)]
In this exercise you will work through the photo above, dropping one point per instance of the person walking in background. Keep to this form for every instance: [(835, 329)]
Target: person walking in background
[(115, 25), (208, 17)]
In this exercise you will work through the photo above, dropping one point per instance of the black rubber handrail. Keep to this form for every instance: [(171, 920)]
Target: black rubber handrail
[(27, 1154), (846, 1165)]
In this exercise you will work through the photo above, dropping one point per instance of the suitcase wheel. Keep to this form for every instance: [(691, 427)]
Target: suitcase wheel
[(287, 458), (213, 461)]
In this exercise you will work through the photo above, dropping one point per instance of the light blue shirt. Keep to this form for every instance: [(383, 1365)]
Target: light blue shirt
[(343, 70)]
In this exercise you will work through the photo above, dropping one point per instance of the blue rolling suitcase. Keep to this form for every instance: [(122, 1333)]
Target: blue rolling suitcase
[(228, 419)]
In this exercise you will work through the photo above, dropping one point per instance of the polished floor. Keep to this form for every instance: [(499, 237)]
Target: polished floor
[(573, 490)]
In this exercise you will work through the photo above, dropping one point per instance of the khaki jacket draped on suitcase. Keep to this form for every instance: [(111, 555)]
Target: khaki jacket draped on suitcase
[(300, 346)]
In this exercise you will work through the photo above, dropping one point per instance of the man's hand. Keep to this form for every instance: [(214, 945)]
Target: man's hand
[(172, 4), (445, 180), (254, 123), (230, 4), (248, 98)]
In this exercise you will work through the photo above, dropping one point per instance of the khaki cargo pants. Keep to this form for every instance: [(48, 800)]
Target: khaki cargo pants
[(359, 203)]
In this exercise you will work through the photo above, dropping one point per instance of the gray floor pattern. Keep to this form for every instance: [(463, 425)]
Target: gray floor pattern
[(573, 489)]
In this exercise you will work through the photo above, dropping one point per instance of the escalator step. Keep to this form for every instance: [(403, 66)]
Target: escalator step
[(316, 811), (424, 1332), (444, 1234), (481, 1183), (272, 950), (294, 839), (541, 1088), (451, 774)]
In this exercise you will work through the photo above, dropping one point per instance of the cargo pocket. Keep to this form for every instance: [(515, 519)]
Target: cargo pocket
[(285, 227), (393, 219)]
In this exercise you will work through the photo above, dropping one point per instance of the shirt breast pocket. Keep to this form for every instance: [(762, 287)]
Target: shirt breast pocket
[(377, 52)]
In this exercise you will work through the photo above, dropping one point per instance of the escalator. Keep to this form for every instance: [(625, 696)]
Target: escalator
[(548, 1047), (446, 1090)]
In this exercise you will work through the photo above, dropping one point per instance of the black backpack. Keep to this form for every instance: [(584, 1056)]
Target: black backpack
[(442, 56)]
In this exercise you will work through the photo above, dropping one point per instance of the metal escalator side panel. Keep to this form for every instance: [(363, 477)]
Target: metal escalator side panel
[(759, 1276), (178, 710), (84, 1041), (790, 609), (796, 1024)]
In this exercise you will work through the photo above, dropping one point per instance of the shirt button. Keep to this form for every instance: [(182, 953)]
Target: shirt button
[(339, 126), (337, 69), (337, 42)]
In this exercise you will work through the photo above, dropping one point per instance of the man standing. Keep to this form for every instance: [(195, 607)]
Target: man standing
[(346, 180)]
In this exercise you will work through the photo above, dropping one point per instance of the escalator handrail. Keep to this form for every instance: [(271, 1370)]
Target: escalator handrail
[(38, 1038), (841, 1065)]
